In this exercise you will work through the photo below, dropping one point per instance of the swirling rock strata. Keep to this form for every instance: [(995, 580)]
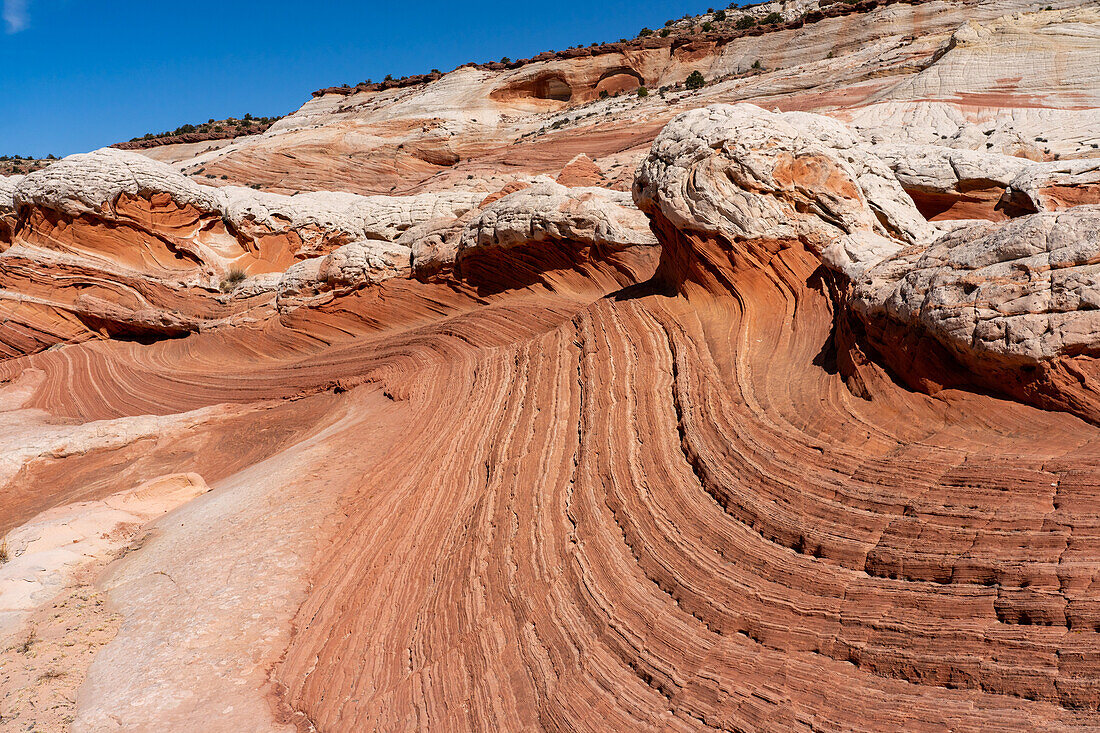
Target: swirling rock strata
[(146, 252), (790, 477)]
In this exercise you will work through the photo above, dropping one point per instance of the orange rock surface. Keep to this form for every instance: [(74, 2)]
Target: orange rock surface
[(519, 454)]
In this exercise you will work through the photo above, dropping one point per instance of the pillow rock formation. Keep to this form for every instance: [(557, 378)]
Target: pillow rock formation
[(771, 405)]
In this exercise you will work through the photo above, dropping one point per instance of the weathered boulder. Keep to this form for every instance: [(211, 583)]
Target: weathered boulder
[(93, 183), (434, 244), (347, 268), (7, 208), (1053, 186), (957, 183), (310, 224), (743, 174), (515, 240), (952, 183), (115, 319), (1027, 290), (1016, 304), (548, 211)]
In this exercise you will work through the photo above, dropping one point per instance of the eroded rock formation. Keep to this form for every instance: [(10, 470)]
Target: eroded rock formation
[(641, 413)]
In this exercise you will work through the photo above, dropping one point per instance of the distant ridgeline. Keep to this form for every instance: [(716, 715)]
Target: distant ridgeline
[(210, 130), (717, 27), (14, 165)]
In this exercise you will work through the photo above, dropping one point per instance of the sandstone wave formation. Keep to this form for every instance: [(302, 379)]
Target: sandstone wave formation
[(490, 402)]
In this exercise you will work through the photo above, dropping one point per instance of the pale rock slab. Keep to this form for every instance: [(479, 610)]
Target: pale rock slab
[(1027, 290), (547, 211), (320, 217), (743, 173), (90, 183), (7, 193), (1055, 185)]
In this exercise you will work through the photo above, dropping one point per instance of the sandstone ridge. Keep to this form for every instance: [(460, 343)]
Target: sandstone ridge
[(495, 403)]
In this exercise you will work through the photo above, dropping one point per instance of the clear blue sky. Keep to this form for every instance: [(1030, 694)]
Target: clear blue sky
[(78, 75)]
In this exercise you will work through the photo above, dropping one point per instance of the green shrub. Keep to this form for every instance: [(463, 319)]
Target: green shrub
[(668, 23), (695, 81), (708, 27), (645, 32), (643, 92), (756, 64), (772, 18), (665, 33), (604, 94), (720, 15), (745, 21)]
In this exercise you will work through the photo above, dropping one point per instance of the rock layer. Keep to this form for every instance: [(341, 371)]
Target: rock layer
[(767, 452)]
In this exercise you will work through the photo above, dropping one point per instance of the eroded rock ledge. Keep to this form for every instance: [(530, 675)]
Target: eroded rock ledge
[(1006, 307)]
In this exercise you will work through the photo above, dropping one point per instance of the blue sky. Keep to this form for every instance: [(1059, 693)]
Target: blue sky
[(77, 75)]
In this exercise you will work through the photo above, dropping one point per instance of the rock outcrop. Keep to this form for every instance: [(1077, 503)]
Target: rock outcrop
[(547, 226), (7, 208), (800, 433), (745, 175), (151, 254), (1016, 305), (1053, 186)]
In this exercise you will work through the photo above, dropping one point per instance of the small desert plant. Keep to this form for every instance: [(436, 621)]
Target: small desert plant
[(234, 278), (720, 15), (772, 18), (708, 27), (756, 64), (665, 33), (643, 92), (4, 557), (668, 23), (604, 94), (24, 647), (695, 81), (645, 32), (745, 21)]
